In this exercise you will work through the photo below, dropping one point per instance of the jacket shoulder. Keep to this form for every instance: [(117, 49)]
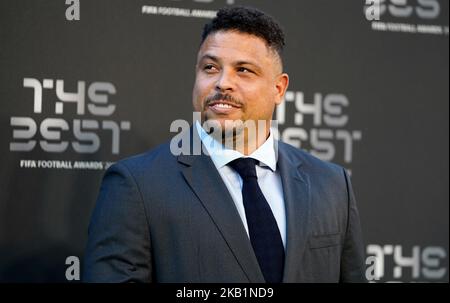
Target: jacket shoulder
[(151, 160), (309, 161)]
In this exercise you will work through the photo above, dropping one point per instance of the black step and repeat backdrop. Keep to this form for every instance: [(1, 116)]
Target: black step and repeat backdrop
[(86, 83)]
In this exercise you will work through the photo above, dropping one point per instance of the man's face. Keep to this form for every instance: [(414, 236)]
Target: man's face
[(238, 77)]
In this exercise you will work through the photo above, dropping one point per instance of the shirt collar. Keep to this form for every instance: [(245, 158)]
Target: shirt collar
[(221, 155)]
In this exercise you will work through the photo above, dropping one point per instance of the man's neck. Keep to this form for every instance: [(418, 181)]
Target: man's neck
[(246, 144), (245, 141)]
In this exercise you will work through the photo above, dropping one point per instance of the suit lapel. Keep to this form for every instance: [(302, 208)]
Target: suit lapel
[(204, 179), (297, 201)]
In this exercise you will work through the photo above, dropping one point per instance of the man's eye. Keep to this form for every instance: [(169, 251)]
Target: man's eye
[(244, 70), (209, 67)]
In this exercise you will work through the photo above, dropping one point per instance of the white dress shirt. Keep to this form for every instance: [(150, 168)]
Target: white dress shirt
[(269, 179)]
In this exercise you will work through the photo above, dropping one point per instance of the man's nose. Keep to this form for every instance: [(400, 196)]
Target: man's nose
[(225, 82)]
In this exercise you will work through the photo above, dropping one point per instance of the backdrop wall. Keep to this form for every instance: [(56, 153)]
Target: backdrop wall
[(86, 83)]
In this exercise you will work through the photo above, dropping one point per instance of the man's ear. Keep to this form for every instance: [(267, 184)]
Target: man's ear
[(281, 85)]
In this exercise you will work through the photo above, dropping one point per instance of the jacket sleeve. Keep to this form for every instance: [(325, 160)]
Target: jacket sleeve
[(353, 257), (118, 248)]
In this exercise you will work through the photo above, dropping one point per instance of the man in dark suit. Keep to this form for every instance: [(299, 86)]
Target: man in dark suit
[(247, 208)]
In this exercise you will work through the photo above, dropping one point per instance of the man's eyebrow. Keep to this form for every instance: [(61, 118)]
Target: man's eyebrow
[(208, 56), (240, 62), (243, 62)]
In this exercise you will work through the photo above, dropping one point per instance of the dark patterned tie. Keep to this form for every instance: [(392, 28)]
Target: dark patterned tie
[(262, 226)]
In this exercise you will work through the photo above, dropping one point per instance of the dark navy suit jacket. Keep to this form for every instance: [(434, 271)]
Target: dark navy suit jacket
[(166, 218)]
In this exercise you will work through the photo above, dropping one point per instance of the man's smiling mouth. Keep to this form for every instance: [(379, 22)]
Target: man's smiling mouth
[(223, 107)]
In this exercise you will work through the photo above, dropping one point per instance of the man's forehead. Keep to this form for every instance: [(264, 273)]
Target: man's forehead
[(235, 61), (233, 32), (232, 41)]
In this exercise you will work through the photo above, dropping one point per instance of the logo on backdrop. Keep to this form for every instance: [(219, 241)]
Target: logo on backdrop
[(395, 263), (329, 137), (48, 131), (407, 16), (183, 11)]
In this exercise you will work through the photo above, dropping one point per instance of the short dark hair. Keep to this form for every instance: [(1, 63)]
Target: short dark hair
[(247, 20)]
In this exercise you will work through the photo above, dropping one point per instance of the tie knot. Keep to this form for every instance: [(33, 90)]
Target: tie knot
[(245, 167)]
